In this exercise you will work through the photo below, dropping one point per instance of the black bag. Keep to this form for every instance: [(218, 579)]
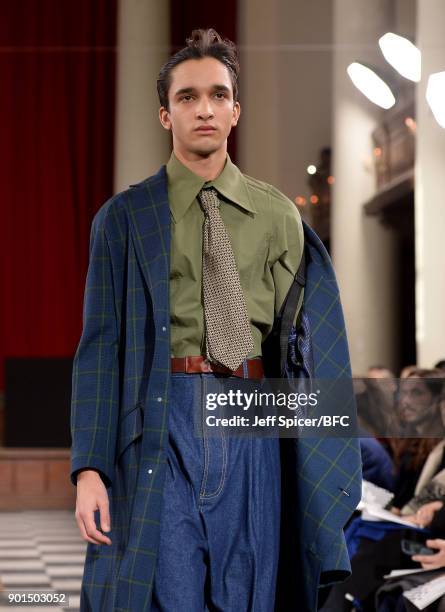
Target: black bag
[(275, 346)]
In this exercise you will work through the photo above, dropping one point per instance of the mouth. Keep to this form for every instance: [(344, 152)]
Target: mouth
[(206, 129), (405, 413), (408, 413)]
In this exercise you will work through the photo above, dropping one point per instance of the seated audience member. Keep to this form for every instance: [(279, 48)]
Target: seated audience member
[(389, 597), (419, 415), (375, 398)]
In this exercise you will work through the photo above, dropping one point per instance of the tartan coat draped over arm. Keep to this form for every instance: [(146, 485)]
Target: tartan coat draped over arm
[(120, 401)]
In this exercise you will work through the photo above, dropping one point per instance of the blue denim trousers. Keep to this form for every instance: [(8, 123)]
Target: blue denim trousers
[(220, 526)]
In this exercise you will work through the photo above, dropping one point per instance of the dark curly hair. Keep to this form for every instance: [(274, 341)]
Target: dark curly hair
[(202, 43)]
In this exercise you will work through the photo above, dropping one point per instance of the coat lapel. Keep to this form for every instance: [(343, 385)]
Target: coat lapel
[(149, 213)]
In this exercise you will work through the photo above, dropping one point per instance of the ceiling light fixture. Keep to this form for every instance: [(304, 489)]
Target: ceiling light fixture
[(371, 85)]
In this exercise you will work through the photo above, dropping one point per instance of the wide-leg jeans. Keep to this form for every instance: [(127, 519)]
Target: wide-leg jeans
[(220, 526)]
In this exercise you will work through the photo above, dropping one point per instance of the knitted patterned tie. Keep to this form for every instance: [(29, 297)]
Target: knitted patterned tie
[(228, 336)]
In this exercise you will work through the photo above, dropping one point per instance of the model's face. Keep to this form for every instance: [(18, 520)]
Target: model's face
[(201, 107)]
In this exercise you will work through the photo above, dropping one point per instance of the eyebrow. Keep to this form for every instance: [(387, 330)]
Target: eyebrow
[(187, 90)]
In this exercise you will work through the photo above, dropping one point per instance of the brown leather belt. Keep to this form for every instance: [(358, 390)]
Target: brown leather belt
[(199, 364)]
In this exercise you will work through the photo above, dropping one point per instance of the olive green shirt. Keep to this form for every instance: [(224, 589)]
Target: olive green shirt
[(266, 234)]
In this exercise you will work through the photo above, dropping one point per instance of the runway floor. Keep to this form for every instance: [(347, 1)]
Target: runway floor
[(40, 551)]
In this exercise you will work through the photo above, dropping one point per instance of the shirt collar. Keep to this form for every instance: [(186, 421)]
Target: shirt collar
[(184, 185)]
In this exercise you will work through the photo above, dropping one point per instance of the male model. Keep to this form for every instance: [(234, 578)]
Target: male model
[(187, 272)]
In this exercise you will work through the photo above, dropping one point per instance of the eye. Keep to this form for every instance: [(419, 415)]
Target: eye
[(186, 98), (220, 95)]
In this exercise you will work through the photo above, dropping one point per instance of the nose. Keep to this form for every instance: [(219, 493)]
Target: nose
[(404, 400), (204, 109)]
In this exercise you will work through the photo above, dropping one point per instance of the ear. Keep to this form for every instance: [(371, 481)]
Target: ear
[(164, 118), (236, 113)]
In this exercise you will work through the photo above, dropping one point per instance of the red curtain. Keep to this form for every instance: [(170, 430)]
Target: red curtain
[(57, 68)]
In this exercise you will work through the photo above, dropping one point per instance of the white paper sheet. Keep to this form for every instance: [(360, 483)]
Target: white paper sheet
[(375, 513), (374, 496)]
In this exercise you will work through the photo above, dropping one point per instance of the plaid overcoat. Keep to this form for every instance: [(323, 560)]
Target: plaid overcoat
[(120, 403)]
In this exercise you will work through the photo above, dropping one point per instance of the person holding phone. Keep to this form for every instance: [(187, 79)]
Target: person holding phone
[(389, 598)]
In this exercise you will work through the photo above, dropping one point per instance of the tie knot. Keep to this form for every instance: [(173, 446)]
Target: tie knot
[(209, 199)]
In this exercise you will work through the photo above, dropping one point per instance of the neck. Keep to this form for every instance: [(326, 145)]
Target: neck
[(208, 167)]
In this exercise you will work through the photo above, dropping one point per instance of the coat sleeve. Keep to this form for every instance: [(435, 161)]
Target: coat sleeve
[(95, 375)]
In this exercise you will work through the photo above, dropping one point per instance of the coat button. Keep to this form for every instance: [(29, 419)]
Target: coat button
[(164, 328), (159, 399), (150, 471)]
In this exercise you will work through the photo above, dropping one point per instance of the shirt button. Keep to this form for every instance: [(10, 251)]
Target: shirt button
[(164, 328), (150, 471), (159, 399)]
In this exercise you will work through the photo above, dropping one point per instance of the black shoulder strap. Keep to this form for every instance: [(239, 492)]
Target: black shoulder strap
[(289, 308)]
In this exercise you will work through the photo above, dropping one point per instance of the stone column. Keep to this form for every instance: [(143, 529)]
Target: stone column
[(430, 193), (363, 250), (142, 145)]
